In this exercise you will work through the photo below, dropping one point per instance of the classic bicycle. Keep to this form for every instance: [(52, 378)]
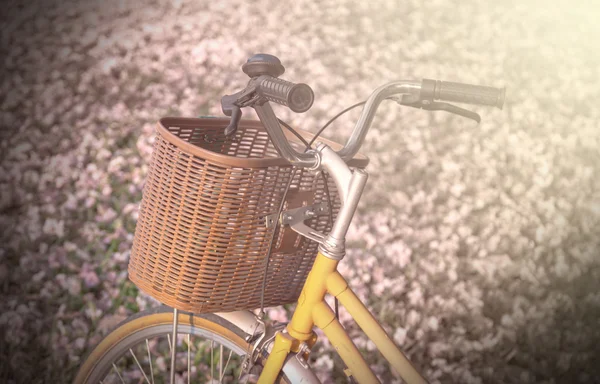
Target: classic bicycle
[(238, 215)]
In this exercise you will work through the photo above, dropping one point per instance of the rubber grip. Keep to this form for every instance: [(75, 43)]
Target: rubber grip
[(462, 93), (298, 97)]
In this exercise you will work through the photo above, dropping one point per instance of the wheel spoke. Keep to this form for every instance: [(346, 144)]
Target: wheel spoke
[(174, 349), (150, 361), (212, 373), (226, 364), (118, 373), (139, 365), (221, 363), (189, 360)]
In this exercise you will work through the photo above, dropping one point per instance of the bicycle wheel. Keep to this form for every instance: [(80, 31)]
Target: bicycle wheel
[(209, 349)]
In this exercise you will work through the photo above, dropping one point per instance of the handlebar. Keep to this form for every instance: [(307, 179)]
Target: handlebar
[(264, 86)]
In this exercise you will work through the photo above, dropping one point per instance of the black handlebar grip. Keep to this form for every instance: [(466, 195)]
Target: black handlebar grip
[(298, 97), (462, 93)]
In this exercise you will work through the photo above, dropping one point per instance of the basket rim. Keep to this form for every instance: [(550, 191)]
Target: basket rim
[(359, 161)]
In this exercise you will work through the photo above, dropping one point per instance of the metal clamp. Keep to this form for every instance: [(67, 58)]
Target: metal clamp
[(295, 219), (304, 348)]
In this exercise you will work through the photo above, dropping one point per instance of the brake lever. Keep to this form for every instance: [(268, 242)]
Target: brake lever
[(438, 106), (236, 115), (232, 105)]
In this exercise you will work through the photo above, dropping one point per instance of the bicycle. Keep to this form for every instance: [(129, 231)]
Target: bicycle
[(238, 215)]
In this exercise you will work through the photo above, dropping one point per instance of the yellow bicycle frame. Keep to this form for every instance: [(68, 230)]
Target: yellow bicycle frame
[(313, 310)]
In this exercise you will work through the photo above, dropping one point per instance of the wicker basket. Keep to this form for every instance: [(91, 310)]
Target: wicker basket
[(201, 243)]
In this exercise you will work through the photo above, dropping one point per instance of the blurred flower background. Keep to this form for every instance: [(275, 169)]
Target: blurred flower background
[(476, 245)]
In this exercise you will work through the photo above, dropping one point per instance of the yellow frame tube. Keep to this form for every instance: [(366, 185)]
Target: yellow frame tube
[(338, 287), (313, 310), (357, 366), (313, 293)]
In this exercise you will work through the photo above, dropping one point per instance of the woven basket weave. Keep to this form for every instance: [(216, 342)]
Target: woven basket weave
[(201, 243)]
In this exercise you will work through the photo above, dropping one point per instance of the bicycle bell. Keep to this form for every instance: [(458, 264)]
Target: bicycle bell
[(263, 64)]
